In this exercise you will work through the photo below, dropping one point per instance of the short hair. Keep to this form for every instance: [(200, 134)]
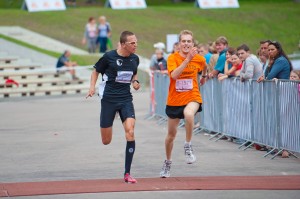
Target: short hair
[(243, 47), (205, 46), (222, 40), (186, 32), (102, 17), (66, 51), (265, 41), (124, 35)]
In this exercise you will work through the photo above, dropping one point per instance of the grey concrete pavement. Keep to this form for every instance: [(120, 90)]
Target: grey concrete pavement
[(39, 40), (22, 53), (43, 42), (57, 138)]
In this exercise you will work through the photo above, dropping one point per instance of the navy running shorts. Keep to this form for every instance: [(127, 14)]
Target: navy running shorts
[(174, 112), (109, 110)]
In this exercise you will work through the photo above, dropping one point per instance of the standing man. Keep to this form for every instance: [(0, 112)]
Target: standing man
[(184, 99), (119, 70), (252, 68), (264, 50)]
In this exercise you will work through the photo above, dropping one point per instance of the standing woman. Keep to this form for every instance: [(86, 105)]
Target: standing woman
[(279, 66), (90, 35), (104, 32)]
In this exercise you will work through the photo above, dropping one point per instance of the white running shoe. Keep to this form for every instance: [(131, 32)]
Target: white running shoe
[(190, 158), (165, 171)]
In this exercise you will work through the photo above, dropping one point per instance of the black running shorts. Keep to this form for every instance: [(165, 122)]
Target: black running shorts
[(174, 112), (109, 110)]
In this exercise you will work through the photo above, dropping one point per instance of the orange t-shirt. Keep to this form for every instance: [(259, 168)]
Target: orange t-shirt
[(185, 88)]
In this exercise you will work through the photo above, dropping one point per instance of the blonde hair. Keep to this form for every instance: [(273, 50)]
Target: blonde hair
[(186, 32), (297, 72), (212, 48), (222, 40)]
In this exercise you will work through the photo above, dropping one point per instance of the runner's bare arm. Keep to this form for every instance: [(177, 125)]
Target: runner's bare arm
[(94, 78)]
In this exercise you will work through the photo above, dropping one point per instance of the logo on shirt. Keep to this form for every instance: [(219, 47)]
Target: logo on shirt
[(119, 62)]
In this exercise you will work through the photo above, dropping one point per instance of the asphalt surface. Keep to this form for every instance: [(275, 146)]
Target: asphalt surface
[(57, 139)]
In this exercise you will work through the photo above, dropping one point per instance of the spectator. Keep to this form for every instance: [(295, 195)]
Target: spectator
[(264, 59), (295, 75), (64, 63), (214, 57), (233, 69), (264, 45), (158, 46), (90, 35), (203, 50), (161, 63), (221, 46), (279, 66), (252, 68), (104, 32), (175, 47), (228, 62), (263, 50)]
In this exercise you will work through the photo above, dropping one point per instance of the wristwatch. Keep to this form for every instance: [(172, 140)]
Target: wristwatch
[(135, 81)]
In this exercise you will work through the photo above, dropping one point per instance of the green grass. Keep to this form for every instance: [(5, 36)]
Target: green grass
[(253, 21)]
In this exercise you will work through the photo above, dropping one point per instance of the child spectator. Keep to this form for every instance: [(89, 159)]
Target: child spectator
[(234, 70), (203, 50), (221, 46), (160, 64), (214, 57)]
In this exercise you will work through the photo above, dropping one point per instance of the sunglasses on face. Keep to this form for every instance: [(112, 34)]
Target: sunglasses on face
[(132, 43)]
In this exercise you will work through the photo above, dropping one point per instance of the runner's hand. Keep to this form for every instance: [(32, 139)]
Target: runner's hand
[(90, 93), (136, 85)]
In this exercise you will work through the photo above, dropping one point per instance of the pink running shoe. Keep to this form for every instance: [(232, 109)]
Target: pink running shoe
[(129, 179)]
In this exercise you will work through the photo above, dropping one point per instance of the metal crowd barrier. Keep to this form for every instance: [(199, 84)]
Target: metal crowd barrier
[(266, 113)]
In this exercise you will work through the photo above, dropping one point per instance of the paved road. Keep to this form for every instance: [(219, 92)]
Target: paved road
[(57, 138)]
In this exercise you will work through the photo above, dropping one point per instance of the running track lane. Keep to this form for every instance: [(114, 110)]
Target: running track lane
[(151, 184)]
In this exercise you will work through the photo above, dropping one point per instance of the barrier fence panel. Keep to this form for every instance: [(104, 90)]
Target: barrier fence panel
[(289, 98), (263, 108), (161, 88), (237, 108), (212, 106)]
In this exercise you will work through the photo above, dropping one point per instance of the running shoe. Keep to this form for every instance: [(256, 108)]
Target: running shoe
[(165, 171), (190, 158), (129, 179)]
